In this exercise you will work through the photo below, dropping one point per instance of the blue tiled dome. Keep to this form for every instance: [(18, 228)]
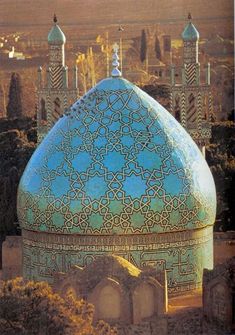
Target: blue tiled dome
[(116, 163)]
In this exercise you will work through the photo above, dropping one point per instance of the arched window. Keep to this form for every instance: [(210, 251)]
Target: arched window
[(57, 109), (191, 110), (205, 108), (177, 109), (43, 111)]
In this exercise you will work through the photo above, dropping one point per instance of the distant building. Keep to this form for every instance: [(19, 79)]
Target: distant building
[(158, 54), (191, 100), (15, 54), (54, 96)]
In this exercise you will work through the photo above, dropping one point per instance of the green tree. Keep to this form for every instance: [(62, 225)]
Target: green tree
[(158, 49), (14, 107), (32, 308), (220, 156), (143, 46)]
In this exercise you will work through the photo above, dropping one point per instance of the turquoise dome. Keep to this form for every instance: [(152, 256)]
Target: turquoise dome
[(190, 33), (56, 35), (117, 162)]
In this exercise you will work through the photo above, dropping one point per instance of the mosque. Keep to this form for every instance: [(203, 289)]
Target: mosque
[(118, 202), (117, 173)]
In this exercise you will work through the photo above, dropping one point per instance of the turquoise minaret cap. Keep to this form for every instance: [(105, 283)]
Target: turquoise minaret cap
[(56, 35), (190, 32)]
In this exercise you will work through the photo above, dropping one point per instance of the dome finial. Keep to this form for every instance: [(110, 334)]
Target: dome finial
[(189, 16), (55, 19), (115, 72)]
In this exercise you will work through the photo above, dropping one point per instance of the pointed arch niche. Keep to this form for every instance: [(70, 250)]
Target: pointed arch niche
[(177, 109)]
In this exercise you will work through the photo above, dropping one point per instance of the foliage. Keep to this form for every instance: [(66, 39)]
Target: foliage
[(32, 308), (17, 143), (143, 46), (160, 92), (158, 49), (220, 156), (157, 90), (14, 107), (231, 116)]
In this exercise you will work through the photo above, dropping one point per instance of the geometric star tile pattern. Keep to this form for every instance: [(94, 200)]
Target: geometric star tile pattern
[(116, 163)]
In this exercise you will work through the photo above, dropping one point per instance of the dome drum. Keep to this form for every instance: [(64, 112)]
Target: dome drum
[(178, 253)]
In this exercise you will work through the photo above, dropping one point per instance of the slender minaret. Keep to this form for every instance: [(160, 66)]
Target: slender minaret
[(191, 100), (54, 95)]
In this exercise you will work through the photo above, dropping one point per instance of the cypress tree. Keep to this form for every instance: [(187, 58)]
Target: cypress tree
[(143, 46), (158, 49), (14, 107)]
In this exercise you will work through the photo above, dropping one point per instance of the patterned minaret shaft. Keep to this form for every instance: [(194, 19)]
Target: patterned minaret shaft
[(191, 113), (56, 61), (183, 112), (54, 96), (190, 56), (199, 114), (191, 99)]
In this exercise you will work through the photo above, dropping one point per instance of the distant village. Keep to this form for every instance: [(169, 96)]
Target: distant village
[(24, 53)]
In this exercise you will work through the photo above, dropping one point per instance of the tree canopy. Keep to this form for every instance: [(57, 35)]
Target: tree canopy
[(143, 46), (14, 106), (32, 308), (158, 49)]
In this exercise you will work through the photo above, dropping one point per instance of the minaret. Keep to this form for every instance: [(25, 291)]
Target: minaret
[(54, 95), (191, 100)]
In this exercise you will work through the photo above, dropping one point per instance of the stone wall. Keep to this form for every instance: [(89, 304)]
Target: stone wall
[(185, 319), (219, 296), (152, 327), (120, 292), (224, 246), (11, 257)]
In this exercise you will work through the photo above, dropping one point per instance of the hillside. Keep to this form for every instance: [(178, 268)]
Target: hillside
[(108, 12), (15, 13)]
